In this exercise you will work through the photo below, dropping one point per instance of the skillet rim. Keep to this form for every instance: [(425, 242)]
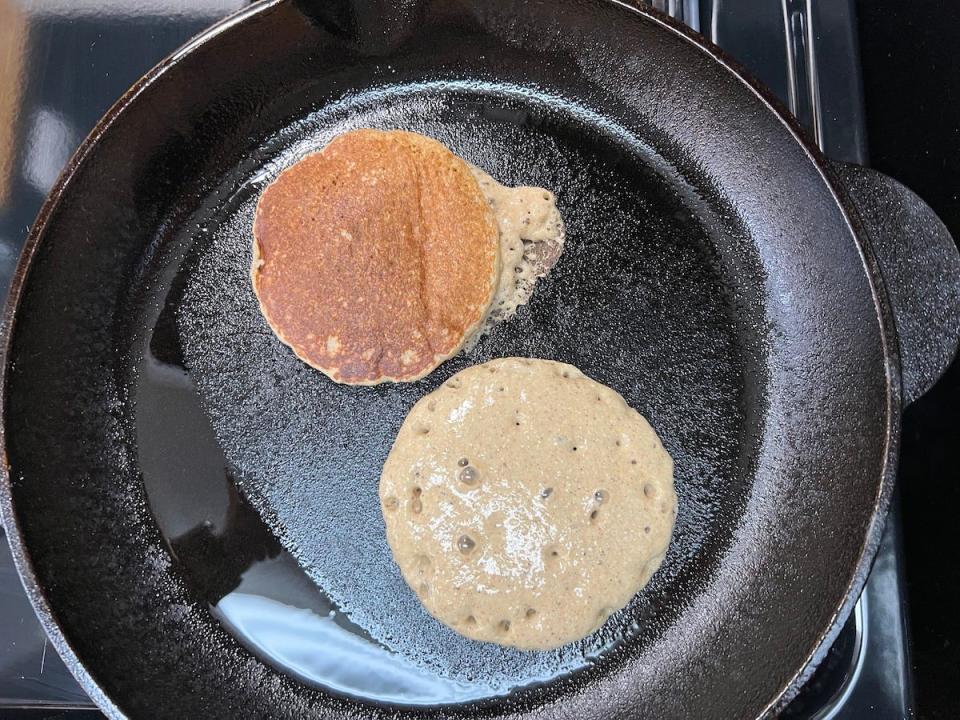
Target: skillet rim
[(878, 292)]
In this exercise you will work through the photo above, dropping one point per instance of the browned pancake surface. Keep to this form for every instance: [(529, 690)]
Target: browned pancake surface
[(375, 258)]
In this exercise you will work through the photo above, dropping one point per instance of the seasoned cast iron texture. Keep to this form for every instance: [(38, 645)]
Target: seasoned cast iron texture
[(920, 266)]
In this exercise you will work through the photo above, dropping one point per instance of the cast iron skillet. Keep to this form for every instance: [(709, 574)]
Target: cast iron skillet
[(768, 312)]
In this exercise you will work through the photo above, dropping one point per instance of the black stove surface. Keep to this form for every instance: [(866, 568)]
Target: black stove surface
[(64, 62), (911, 72)]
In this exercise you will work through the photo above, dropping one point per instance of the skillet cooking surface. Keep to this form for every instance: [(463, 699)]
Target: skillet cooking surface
[(636, 289), (141, 338)]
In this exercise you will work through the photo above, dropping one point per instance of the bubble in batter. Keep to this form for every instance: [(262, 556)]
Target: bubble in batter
[(532, 234)]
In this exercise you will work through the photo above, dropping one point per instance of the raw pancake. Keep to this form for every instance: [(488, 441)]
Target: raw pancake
[(375, 258), (525, 502), (532, 234)]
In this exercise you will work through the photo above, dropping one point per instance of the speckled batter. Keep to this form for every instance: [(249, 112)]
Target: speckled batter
[(532, 233), (525, 502)]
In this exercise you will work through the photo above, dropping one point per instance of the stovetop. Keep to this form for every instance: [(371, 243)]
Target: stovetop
[(64, 62)]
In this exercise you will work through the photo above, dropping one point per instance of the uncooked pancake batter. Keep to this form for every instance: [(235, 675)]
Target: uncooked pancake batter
[(531, 240), (525, 502)]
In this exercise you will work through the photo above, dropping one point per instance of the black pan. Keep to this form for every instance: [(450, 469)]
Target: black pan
[(176, 480)]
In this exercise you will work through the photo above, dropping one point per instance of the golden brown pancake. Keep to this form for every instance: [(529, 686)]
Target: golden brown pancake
[(375, 258)]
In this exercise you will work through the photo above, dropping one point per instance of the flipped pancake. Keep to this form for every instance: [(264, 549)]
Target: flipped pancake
[(375, 258), (525, 502)]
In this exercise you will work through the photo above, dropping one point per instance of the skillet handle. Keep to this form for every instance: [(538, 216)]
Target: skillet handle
[(920, 265)]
